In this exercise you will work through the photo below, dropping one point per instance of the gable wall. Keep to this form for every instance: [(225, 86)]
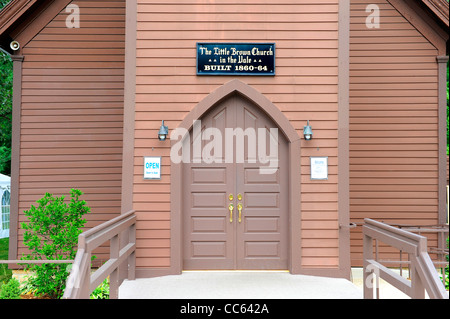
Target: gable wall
[(304, 88), (72, 111), (393, 124)]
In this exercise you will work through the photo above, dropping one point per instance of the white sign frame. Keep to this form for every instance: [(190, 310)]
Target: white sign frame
[(152, 172), (319, 167)]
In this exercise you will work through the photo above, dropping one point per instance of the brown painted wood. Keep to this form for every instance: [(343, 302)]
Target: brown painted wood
[(393, 123), (72, 112), (262, 235), (211, 239)]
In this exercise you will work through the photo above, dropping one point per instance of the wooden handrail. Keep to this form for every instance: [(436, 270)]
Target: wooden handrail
[(37, 261), (120, 231), (424, 276)]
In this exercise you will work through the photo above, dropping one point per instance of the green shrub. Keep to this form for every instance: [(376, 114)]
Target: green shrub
[(102, 291), (5, 272), (10, 290), (52, 233)]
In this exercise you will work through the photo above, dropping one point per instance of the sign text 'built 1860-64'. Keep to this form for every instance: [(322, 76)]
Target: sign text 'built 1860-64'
[(235, 59)]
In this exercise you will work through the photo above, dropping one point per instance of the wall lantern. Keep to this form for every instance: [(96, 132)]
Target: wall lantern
[(163, 132), (307, 132)]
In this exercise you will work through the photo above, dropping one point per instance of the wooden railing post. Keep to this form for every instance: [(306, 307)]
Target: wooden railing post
[(368, 275), (86, 279), (417, 284), (82, 271), (114, 277), (132, 257), (417, 287)]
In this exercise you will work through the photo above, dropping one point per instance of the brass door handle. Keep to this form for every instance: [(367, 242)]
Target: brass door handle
[(230, 208), (239, 207)]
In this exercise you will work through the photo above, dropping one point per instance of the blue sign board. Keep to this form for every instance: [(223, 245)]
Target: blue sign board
[(235, 58)]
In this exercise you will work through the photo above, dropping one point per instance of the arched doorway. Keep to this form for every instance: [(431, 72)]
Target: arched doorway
[(206, 232), (235, 206)]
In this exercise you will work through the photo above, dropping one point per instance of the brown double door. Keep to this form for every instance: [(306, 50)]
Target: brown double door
[(235, 213)]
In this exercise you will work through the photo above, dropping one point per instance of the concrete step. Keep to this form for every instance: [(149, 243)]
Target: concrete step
[(239, 285)]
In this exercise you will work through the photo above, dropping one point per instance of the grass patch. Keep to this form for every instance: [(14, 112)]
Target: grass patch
[(5, 273)]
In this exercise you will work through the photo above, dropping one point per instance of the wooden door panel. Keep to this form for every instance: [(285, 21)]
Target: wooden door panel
[(209, 249), (207, 231), (252, 175), (261, 224), (209, 175), (262, 249), (209, 224), (260, 239), (261, 200), (209, 200)]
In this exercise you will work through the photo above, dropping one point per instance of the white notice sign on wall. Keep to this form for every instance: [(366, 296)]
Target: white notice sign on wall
[(152, 167), (319, 167)]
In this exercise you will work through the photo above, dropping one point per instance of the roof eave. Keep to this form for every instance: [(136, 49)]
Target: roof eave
[(440, 8), (13, 11)]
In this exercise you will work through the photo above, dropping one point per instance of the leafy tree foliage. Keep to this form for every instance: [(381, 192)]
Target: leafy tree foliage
[(4, 3), (6, 79)]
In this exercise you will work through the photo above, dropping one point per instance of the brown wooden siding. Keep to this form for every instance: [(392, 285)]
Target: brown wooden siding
[(304, 88), (393, 124), (72, 110)]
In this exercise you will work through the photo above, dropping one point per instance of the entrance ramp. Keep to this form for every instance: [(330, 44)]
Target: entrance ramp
[(239, 285)]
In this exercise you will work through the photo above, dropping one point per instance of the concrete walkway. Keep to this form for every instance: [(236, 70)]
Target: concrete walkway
[(239, 285)]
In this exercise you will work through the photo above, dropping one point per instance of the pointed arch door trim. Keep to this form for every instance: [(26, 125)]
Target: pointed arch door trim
[(284, 125)]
